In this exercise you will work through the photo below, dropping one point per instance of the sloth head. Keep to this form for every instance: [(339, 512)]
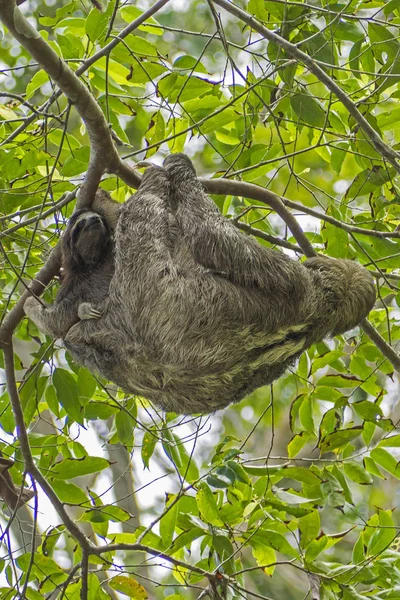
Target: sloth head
[(89, 238), (86, 241)]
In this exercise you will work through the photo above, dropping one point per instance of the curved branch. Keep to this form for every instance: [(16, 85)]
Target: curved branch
[(339, 224), (92, 60), (266, 236), (294, 52), (387, 351), (98, 551), (103, 154), (255, 192)]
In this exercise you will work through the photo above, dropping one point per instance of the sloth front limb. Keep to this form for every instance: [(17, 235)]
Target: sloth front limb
[(143, 238), (54, 319)]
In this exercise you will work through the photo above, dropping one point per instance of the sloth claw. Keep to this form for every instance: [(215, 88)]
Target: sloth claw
[(88, 311)]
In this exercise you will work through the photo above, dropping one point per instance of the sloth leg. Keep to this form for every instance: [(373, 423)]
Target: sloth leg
[(217, 244)]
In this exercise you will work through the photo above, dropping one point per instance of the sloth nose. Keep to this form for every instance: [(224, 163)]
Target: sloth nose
[(93, 220)]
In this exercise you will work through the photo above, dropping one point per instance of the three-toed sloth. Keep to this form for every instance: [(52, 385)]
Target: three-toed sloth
[(166, 298)]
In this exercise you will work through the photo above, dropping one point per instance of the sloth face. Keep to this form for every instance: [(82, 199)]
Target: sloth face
[(87, 240)]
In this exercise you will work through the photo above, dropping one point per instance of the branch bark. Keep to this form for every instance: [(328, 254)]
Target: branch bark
[(103, 152)]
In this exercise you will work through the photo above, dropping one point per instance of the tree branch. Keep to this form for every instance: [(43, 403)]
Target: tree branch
[(22, 434), (103, 154), (92, 60), (294, 52)]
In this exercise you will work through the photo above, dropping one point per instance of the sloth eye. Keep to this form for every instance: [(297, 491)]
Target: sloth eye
[(76, 231)]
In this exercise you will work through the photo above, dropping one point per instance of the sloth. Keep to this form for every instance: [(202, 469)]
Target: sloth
[(87, 267), (189, 312)]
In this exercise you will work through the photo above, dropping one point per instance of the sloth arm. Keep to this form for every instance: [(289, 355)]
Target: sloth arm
[(143, 239), (217, 244), (54, 319)]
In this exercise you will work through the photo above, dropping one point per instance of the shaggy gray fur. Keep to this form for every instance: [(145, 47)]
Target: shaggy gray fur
[(197, 315)]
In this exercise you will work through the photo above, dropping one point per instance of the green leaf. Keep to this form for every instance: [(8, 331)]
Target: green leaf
[(308, 108), (189, 63), (384, 534), (223, 477), (262, 470), (369, 180), (225, 550), (240, 473), (309, 526), (207, 505), (371, 467), (297, 443), (68, 394), (148, 446), (386, 460), (392, 441), (170, 447), (369, 411), (87, 385), (99, 410), (128, 586), (69, 493), (273, 539), (107, 512), (45, 565), (77, 162), (95, 25), (76, 467), (95, 591), (39, 79), (131, 13), (301, 474), (180, 88), (125, 423), (168, 522), (306, 415), (338, 439), (325, 359), (264, 555), (185, 539), (339, 381), (357, 473), (30, 396)]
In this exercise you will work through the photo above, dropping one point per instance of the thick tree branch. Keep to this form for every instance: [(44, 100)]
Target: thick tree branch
[(103, 154), (294, 52), (92, 60)]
